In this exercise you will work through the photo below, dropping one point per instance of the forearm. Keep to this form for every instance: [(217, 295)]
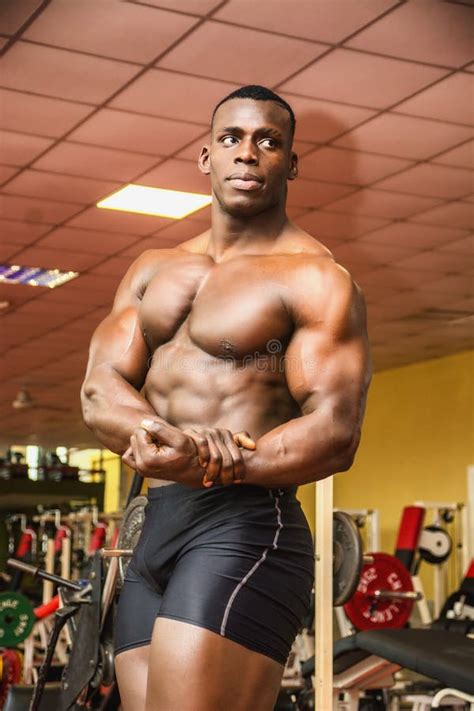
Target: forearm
[(300, 451), (112, 409)]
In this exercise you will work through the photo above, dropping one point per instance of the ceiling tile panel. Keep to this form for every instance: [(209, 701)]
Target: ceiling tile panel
[(65, 188), (328, 225), (462, 156), (14, 14), (39, 114), (197, 7), (321, 121), (16, 232), (455, 214), (90, 241), (395, 278), (310, 19), (81, 26), (96, 218), (433, 261), (53, 259), (448, 100), (94, 162), (424, 31), (30, 67), (7, 172), (20, 149), (378, 203), (404, 136), (367, 254), (376, 82), (34, 210), (431, 180), (115, 266), (248, 57), (133, 132), (460, 246), (169, 237), (412, 235), (177, 175), (311, 193), (455, 284), (352, 167), (7, 251), (181, 230), (166, 94)]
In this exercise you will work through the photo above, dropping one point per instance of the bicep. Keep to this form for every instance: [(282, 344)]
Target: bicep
[(327, 363), (118, 344)]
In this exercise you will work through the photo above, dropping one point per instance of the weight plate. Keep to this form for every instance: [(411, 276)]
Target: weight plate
[(16, 618), (435, 544), (132, 524), (347, 560), (367, 612)]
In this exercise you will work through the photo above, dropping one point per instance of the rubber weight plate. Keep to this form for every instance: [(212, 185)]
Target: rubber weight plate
[(367, 612), (347, 562), (16, 618), (132, 524)]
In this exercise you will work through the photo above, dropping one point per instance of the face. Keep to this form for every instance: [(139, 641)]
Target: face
[(250, 157)]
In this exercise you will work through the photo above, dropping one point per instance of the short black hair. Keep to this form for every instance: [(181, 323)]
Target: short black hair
[(258, 93)]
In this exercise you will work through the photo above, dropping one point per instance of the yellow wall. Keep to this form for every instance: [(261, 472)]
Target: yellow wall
[(417, 442)]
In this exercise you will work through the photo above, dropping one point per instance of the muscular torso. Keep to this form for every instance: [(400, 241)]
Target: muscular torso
[(217, 333)]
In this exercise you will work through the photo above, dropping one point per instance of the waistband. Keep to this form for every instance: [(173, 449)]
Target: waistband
[(176, 490)]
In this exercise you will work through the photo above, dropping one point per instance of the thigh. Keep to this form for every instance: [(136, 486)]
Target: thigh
[(136, 613), (195, 669), (131, 670)]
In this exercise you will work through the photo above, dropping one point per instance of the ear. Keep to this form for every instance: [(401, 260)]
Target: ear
[(204, 160), (293, 168)]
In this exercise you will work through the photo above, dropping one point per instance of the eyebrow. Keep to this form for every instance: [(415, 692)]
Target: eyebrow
[(267, 130)]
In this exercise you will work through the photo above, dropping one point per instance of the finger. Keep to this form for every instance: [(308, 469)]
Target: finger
[(128, 458), (226, 474), (244, 440), (213, 468), (236, 454), (202, 446), (146, 452), (162, 432)]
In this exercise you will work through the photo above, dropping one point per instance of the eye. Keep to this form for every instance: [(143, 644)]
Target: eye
[(229, 140), (271, 143)]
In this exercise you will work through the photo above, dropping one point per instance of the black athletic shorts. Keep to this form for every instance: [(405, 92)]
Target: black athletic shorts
[(236, 560)]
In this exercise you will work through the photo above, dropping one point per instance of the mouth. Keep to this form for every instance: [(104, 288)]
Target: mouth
[(245, 181)]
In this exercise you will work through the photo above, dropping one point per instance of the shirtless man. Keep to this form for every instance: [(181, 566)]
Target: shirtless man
[(232, 368)]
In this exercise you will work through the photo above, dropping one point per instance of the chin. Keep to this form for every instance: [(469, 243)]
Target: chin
[(245, 205)]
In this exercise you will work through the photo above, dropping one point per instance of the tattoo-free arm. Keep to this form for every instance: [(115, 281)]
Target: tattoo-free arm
[(328, 371), (118, 363)]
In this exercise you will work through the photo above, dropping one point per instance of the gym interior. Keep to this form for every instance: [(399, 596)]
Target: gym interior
[(99, 95)]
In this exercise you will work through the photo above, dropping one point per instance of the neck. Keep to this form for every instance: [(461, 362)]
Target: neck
[(233, 235)]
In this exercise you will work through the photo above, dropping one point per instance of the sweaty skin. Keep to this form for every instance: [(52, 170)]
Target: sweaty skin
[(250, 327)]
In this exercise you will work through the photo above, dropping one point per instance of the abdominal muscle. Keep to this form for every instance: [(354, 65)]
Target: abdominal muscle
[(239, 400)]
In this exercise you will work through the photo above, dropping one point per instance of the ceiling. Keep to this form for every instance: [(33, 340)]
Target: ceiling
[(95, 94)]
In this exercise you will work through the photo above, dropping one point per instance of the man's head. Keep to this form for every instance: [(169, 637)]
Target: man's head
[(250, 156), (258, 93)]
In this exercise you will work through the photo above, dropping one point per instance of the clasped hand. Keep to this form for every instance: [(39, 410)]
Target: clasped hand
[(196, 456)]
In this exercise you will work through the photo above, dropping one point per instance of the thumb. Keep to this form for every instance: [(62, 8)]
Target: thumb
[(162, 432), (244, 440)]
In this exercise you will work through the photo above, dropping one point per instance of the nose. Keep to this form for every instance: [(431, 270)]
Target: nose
[(247, 153)]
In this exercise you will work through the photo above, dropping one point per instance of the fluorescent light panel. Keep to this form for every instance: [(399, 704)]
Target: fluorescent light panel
[(155, 201), (34, 276)]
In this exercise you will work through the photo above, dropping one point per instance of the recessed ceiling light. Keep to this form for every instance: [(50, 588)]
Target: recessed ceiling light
[(34, 276), (155, 201)]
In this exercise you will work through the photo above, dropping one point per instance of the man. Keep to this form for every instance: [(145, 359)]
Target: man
[(233, 368)]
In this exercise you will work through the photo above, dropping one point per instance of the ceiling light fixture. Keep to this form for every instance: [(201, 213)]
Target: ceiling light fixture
[(155, 201), (34, 276)]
